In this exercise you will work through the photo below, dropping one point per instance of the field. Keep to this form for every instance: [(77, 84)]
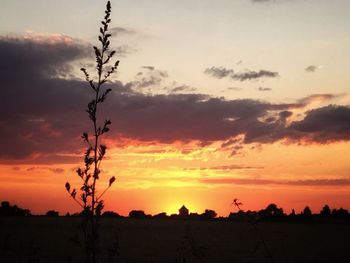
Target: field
[(42, 239)]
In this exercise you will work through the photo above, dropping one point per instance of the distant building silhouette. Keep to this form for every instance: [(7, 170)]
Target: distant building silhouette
[(183, 211)]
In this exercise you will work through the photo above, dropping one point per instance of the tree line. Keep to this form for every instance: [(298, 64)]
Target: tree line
[(271, 213)]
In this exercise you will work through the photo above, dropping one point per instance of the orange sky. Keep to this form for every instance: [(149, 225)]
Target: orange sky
[(213, 100), (160, 178)]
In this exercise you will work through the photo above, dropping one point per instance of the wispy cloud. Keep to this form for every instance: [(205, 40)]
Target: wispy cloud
[(149, 76), (182, 88), (317, 98), (219, 72), (226, 168), (117, 31), (222, 72), (249, 181), (312, 68), (234, 88), (252, 75), (264, 89), (41, 168)]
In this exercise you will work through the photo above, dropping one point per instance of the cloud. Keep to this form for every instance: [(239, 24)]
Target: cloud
[(177, 88), (264, 89), (40, 109), (249, 181), (218, 72), (182, 88), (324, 125), (222, 72), (252, 75), (42, 114), (151, 68), (234, 88), (49, 57), (320, 98), (117, 31), (226, 168), (149, 76), (50, 169), (124, 50), (312, 68)]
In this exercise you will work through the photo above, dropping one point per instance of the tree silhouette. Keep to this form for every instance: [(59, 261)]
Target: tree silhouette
[(89, 200), (341, 212), (137, 214), (52, 213), (272, 211), (307, 211), (208, 214), (326, 211), (110, 214), (237, 203), (7, 210)]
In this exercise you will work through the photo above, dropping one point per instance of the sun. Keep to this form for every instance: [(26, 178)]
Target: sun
[(174, 207)]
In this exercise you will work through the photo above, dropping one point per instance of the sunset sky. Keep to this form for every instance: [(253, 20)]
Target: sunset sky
[(213, 100)]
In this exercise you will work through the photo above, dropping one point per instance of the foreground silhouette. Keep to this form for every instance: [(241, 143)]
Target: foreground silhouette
[(53, 239), (88, 196)]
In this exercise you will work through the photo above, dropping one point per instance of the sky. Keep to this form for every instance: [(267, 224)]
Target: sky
[(212, 100)]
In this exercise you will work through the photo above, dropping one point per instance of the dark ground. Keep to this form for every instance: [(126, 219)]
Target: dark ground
[(49, 240)]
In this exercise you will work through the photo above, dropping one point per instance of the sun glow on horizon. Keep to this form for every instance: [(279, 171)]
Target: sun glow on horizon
[(174, 207)]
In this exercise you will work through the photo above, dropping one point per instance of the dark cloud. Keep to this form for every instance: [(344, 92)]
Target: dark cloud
[(326, 124), (285, 114), (222, 72), (42, 115), (252, 75), (50, 58), (311, 68), (218, 72), (40, 111)]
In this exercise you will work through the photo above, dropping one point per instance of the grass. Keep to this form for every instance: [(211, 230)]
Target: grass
[(42, 239)]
